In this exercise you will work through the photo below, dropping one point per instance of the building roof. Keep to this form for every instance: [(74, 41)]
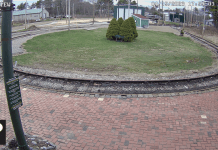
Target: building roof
[(140, 16), (131, 6), (28, 11)]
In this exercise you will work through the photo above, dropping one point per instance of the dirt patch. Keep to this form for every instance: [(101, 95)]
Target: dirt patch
[(33, 27)]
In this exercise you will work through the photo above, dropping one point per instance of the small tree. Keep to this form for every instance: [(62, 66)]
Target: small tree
[(120, 21), (113, 29), (126, 31), (132, 23)]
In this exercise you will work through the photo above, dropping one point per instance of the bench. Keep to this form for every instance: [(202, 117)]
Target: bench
[(119, 37)]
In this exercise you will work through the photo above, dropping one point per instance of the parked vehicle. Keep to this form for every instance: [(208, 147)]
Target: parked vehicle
[(59, 16), (38, 20), (67, 16)]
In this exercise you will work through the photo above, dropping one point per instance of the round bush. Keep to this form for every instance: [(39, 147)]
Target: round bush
[(126, 31), (113, 29)]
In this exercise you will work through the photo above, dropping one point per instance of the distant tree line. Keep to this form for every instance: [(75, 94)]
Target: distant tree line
[(82, 7)]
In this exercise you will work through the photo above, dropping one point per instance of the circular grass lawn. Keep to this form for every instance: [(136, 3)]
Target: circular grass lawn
[(81, 50)]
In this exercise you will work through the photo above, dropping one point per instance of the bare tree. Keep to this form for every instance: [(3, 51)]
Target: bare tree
[(93, 2)]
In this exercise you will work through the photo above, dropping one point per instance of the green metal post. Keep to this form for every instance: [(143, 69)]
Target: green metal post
[(8, 73)]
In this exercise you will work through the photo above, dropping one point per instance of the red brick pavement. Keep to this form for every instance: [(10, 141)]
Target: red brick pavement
[(74, 122)]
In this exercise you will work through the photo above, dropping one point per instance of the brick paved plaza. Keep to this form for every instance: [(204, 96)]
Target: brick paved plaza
[(76, 122)]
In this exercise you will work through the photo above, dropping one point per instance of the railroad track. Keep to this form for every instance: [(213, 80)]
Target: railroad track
[(126, 88), (206, 42), (202, 41)]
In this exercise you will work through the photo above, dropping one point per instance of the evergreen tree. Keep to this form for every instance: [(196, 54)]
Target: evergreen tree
[(126, 31), (133, 26), (113, 29), (120, 21), (214, 11)]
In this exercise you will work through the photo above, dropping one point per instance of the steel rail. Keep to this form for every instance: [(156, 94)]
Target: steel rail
[(160, 82)]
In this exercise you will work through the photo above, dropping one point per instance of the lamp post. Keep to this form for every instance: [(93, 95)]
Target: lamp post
[(9, 75)]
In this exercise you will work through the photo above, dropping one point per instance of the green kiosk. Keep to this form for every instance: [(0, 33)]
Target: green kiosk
[(141, 21)]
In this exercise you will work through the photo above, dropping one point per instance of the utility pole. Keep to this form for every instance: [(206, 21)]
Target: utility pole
[(128, 9), (162, 11), (93, 11), (204, 19), (184, 18), (159, 13), (196, 15), (25, 14), (69, 16), (66, 12), (118, 9), (191, 15), (9, 79), (73, 10), (108, 10), (137, 6), (42, 11)]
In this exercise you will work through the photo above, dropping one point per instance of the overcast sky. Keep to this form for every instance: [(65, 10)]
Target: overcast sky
[(141, 2)]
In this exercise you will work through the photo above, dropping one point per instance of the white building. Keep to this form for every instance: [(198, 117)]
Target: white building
[(31, 14)]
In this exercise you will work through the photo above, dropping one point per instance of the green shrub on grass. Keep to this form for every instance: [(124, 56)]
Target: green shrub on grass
[(113, 29), (120, 22), (132, 23), (126, 31)]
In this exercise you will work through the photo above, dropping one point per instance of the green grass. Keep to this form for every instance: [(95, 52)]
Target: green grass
[(17, 24), (171, 23), (151, 52)]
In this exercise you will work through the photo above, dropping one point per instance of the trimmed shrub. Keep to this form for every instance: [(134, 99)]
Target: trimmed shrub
[(132, 23), (113, 29), (120, 21), (126, 31)]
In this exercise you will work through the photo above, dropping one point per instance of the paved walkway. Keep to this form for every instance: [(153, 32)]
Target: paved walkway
[(74, 122)]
